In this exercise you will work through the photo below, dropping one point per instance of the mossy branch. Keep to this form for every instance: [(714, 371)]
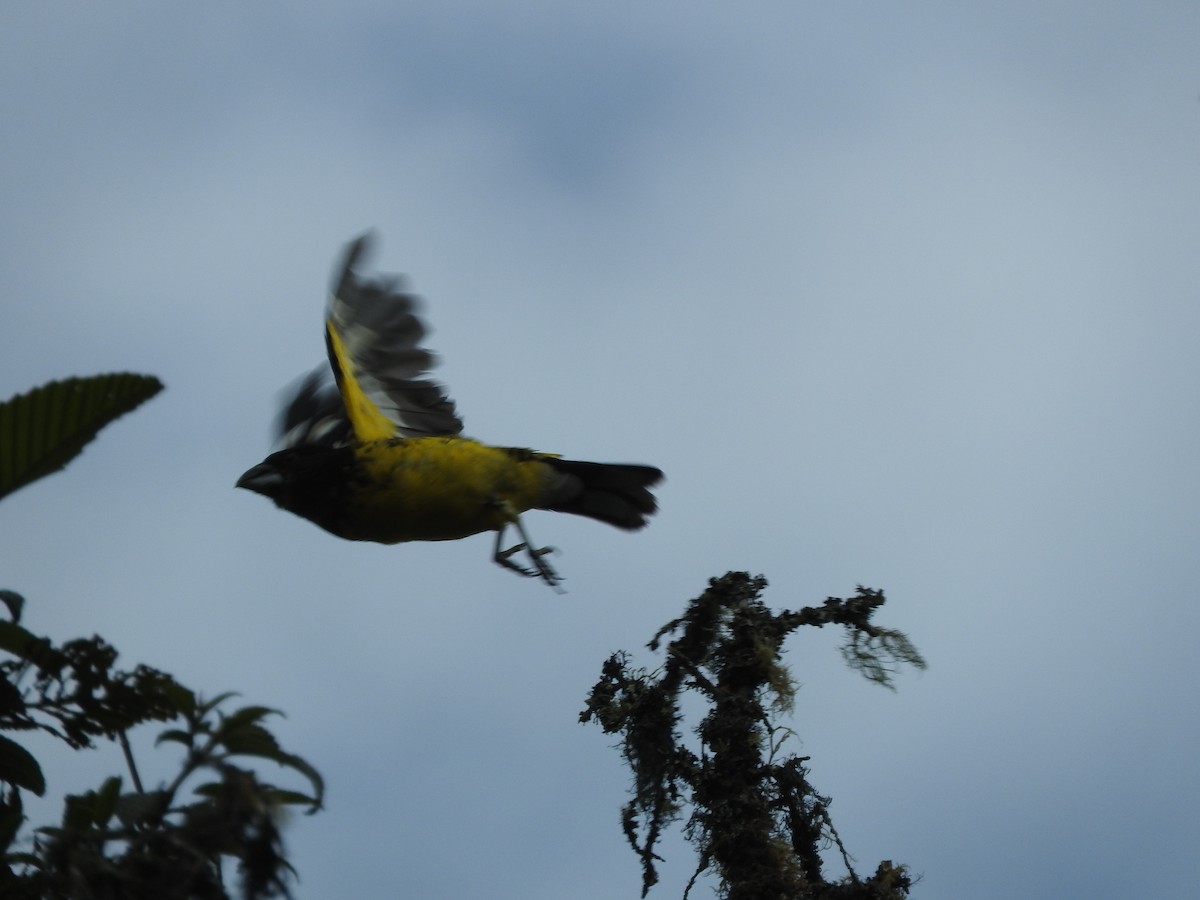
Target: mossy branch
[(755, 819)]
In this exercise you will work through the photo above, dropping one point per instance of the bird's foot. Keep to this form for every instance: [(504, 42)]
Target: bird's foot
[(540, 567)]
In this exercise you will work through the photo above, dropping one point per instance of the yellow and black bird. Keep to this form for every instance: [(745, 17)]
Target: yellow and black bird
[(380, 456)]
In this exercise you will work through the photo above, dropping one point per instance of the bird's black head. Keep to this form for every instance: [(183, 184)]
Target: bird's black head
[(310, 481)]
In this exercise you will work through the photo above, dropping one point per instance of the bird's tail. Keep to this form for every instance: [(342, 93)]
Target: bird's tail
[(615, 493)]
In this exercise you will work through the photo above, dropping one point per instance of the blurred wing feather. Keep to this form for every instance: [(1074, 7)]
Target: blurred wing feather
[(313, 413), (373, 337)]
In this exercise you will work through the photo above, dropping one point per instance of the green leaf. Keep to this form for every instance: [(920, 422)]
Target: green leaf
[(181, 698), (210, 789), (291, 798), (15, 602), (247, 715), (15, 640), (298, 764), (105, 803), (208, 706), (12, 702), (254, 740), (43, 430), (77, 812), (17, 766), (249, 740), (177, 735)]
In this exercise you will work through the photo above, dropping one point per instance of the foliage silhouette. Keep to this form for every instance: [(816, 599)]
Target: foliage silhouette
[(755, 819), (140, 843), (112, 843)]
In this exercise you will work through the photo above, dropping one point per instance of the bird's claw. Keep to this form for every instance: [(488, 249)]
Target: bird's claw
[(540, 568)]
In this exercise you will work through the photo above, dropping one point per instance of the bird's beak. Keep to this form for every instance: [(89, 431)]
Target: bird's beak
[(262, 479)]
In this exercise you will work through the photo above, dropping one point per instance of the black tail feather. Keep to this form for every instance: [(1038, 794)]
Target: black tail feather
[(615, 493)]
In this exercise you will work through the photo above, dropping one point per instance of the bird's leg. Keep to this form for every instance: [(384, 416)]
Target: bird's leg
[(540, 569)]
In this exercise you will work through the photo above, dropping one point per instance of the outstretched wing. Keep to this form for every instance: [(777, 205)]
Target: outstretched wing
[(373, 337)]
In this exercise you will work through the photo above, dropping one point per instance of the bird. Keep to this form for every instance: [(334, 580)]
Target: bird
[(376, 452)]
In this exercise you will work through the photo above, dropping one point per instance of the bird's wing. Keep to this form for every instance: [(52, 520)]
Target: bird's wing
[(373, 337), (313, 413)]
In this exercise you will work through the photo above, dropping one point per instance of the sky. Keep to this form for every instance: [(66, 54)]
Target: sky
[(903, 295)]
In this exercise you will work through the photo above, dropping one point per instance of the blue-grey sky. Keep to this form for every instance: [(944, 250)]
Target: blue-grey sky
[(898, 294)]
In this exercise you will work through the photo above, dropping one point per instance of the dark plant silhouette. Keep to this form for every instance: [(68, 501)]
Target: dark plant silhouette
[(754, 817), (164, 842), (172, 840)]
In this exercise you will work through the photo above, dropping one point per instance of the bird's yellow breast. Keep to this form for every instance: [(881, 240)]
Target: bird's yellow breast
[(439, 488)]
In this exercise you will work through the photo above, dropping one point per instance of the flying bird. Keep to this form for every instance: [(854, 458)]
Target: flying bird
[(376, 453)]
